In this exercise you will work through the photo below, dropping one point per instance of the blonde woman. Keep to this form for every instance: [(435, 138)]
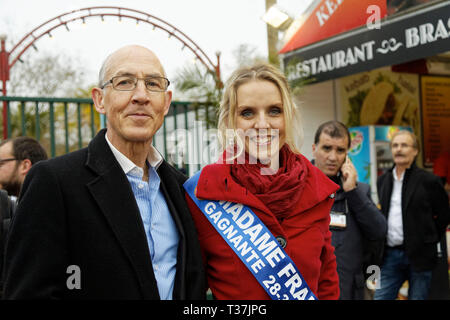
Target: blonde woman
[(262, 211)]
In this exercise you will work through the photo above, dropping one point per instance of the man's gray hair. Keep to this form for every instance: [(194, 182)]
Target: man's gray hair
[(102, 73)]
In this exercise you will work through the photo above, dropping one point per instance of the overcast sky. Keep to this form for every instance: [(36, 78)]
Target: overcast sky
[(214, 25)]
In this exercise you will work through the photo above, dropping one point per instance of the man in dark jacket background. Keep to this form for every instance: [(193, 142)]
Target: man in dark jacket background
[(17, 156), (416, 207), (355, 219)]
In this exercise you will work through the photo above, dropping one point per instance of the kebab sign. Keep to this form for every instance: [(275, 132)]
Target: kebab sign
[(380, 97)]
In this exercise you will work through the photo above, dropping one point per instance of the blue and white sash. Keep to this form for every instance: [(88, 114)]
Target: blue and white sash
[(255, 245)]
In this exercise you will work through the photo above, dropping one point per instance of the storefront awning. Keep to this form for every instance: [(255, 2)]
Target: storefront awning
[(326, 18), (410, 36)]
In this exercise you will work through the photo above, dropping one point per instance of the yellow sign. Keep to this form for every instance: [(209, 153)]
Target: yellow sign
[(435, 116)]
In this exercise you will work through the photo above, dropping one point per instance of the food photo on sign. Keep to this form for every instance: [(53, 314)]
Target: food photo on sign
[(381, 97)]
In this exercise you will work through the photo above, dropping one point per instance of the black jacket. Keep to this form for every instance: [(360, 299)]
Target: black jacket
[(7, 208), (79, 209), (365, 223), (425, 213)]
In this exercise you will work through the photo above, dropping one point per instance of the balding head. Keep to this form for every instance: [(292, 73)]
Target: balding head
[(134, 115), (122, 54)]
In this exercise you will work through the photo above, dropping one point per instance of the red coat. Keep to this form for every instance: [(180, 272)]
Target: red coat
[(308, 236)]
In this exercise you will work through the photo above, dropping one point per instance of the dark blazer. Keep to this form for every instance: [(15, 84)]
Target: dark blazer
[(365, 223), (79, 209), (425, 213)]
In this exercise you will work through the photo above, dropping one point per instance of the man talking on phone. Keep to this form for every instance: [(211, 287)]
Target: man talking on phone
[(355, 221)]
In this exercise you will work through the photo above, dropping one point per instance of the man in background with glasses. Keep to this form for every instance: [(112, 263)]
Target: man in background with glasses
[(416, 206), (16, 158), (109, 221)]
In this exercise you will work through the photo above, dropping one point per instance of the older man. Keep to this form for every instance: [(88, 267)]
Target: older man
[(416, 206), (109, 221)]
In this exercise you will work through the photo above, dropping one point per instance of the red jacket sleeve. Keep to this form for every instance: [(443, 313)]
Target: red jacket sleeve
[(328, 288), (201, 225)]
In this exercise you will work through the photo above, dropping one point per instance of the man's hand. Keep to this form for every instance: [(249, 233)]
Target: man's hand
[(447, 187), (349, 175)]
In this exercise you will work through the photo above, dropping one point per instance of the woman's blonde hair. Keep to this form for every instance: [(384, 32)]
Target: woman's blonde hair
[(228, 105)]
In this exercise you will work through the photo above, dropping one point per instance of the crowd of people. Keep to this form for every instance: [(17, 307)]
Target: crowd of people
[(116, 221)]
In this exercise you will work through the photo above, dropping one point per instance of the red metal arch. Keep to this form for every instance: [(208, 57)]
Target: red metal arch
[(82, 14)]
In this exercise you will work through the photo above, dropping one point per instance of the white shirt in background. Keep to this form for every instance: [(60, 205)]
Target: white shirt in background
[(395, 219)]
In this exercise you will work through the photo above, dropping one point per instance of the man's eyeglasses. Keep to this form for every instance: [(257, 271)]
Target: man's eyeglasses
[(3, 161), (128, 83), (401, 145)]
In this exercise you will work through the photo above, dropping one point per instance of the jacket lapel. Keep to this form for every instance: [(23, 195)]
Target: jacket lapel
[(112, 192), (410, 183), (175, 199), (385, 192)]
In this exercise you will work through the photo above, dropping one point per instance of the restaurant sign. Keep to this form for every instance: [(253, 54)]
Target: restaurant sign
[(400, 39)]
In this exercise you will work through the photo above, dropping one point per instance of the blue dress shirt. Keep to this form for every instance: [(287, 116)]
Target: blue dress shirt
[(160, 230)]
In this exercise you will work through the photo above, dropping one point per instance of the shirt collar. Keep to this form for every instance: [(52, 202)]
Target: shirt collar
[(394, 173), (154, 158)]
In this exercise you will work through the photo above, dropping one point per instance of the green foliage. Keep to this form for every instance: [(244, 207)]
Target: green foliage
[(203, 88), (354, 111), (29, 121), (74, 124), (246, 54), (46, 74)]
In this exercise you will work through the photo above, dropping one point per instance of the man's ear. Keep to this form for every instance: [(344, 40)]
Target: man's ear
[(97, 97), (168, 100), (25, 166), (313, 147)]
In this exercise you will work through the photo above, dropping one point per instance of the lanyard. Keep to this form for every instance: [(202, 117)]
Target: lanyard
[(255, 245)]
